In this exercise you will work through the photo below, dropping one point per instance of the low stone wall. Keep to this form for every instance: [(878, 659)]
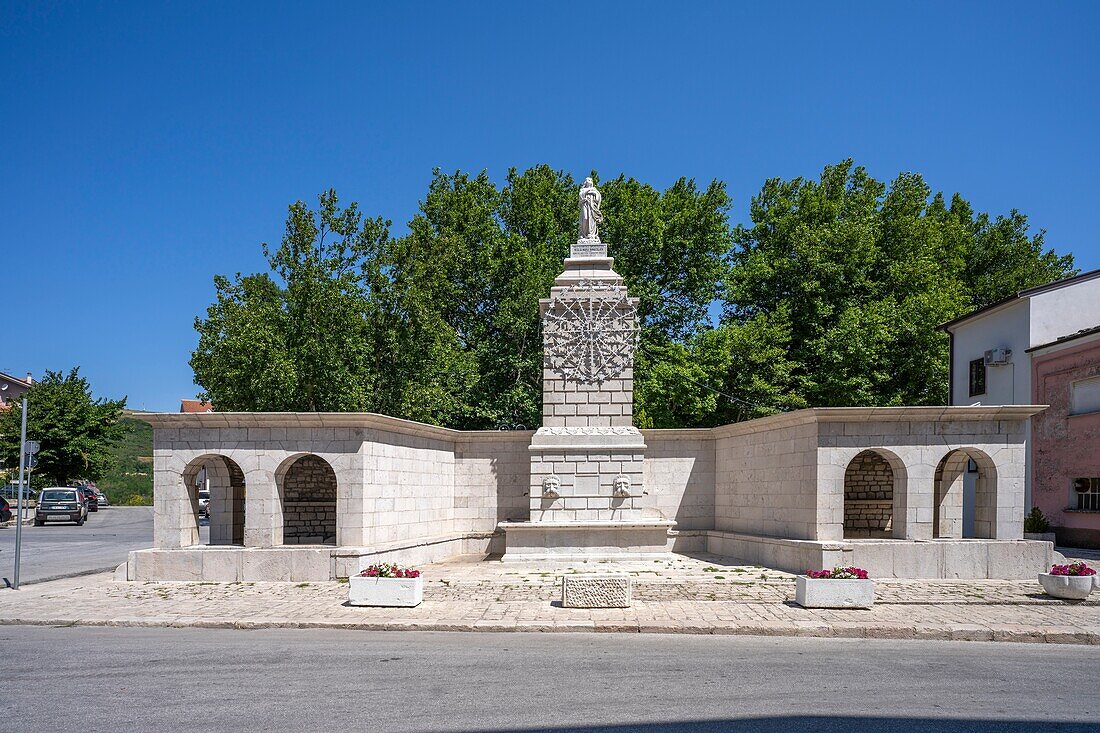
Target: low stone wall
[(679, 471), (793, 556), (399, 485), (950, 558), (963, 559), (971, 559), (296, 564)]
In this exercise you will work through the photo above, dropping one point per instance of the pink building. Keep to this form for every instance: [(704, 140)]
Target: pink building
[(1065, 437)]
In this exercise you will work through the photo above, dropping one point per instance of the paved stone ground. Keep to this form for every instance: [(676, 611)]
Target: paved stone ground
[(698, 594)]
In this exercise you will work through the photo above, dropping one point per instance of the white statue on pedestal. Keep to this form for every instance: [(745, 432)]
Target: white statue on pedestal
[(591, 216)]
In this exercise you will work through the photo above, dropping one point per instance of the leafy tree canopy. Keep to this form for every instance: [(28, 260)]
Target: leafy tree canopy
[(77, 433), (830, 297)]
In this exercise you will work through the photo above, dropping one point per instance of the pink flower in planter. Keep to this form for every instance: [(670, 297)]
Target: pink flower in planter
[(389, 570), (849, 573), (1074, 568)]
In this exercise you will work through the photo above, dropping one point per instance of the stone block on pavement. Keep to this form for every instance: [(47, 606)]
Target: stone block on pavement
[(586, 590)]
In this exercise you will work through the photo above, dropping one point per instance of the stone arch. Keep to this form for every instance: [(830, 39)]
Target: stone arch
[(874, 483), (307, 495), (965, 495), (224, 479)]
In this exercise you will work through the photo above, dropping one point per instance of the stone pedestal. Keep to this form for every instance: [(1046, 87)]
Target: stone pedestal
[(572, 541), (587, 494)]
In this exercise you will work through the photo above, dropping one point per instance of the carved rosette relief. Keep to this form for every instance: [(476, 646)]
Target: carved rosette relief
[(590, 331)]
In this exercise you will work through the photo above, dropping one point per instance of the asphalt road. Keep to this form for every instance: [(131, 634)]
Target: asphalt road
[(168, 680), (60, 550)]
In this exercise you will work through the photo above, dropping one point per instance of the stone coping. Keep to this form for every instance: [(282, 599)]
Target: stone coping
[(591, 524), (340, 551), (785, 541), (370, 420), (581, 446), (367, 420), (1014, 413)]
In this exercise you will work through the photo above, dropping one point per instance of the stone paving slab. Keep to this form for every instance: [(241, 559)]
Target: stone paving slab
[(696, 595)]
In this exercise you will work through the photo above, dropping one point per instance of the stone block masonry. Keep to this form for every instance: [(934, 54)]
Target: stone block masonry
[(309, 503), (587, 480), (571, 404), (868, 497)]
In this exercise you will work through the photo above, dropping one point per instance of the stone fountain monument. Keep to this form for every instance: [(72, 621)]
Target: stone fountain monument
[(588, 498)]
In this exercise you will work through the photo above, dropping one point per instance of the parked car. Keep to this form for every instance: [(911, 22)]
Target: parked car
[(204, 504), (5, 510), (60, 504), (90, 499), (102, 498)]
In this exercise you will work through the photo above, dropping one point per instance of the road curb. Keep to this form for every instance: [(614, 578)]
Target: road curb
[(63, 576), (966, 632)]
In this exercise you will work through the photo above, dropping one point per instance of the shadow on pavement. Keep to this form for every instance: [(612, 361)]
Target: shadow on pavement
[(819, 723)]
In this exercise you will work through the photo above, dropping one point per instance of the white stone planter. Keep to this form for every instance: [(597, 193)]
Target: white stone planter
[(1040, 536), (399, 592), (830, 593), (1072, 587)]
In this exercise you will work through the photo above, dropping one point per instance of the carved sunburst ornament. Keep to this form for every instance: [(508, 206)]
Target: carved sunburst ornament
[(589, 332)]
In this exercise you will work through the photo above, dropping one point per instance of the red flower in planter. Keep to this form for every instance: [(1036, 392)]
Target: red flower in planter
[(849, 573), (1074, 568), (389, 570)]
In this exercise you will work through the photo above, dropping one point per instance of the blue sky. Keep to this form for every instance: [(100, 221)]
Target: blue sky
[(148, 146)]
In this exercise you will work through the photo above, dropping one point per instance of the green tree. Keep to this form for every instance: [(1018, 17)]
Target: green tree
[(830, 297), (299, 337), (77, 433), (464, 285), (1002, 259), (862, 273)]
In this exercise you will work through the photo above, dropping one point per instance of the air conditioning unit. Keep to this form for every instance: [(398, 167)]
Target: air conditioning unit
[(998, 357)]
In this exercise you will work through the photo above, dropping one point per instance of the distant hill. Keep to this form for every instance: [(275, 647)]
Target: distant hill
[(131, 480)]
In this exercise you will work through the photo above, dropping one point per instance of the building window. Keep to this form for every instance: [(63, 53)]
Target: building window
[(1085, 396), (1087, 492), (977, 377)]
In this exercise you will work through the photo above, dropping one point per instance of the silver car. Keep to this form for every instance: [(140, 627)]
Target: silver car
[(60, 504)]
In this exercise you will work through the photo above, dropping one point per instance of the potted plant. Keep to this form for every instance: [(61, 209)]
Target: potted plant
[(1073, 581), (386, 584), (836, 588), (1037, 527)]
